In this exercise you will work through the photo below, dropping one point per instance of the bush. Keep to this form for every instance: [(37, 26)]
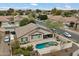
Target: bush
[(42, 17), (16, 50), (26, 21), (26, 53), (51, 24), (15, 45), (30, 48), (58, 40)]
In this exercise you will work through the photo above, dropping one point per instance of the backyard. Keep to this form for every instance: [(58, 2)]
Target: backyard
[(16, 50)]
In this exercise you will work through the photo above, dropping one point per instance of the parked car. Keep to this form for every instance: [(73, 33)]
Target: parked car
[(7, 39), (66, 34)]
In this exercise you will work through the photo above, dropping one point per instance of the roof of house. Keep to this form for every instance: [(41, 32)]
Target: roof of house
[(69, 19), (63, 19), (8, 18), (5, 18), (55, 18), (18, 18), (64, 52), (20, 31)]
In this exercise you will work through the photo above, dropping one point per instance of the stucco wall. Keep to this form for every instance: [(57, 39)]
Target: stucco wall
[(37, 31)]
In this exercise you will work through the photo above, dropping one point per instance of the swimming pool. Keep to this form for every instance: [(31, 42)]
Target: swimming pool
[(46, 44)]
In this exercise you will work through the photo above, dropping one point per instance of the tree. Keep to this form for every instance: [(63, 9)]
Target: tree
[(38, 10), (24, 22), (43, 17), (21, 12), (67, 14), (51, 24), (2, 13), (56, 12), (30, 48), (10, 11)]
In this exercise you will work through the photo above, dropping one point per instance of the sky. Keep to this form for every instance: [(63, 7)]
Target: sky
[(45, 6)]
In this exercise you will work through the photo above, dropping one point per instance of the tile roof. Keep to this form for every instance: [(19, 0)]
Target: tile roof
[(5, 18), (63, 19), (20, 31), (8, 18)]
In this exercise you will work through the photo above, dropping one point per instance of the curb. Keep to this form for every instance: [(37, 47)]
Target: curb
[(72, 31)]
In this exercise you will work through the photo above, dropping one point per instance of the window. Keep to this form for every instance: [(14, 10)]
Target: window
[(47, 36), (36, 36), (11, 22), (24, 39)]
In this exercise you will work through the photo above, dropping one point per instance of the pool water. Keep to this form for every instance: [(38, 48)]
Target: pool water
[(46, 44)]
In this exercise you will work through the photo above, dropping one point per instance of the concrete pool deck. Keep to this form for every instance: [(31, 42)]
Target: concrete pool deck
[(47, 49), (37, 42)]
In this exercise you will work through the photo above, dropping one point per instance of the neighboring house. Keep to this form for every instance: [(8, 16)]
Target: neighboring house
[(62, 19), (6, 22), (32, 32), (65, 20), (10, 22)]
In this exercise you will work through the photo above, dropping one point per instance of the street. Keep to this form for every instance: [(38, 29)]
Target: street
[(4, 48), (74, 36)]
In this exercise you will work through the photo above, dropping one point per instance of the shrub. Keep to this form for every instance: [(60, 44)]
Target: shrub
[(58, 40), (42, 17), (30, 48), (23, 22), (26, 21)]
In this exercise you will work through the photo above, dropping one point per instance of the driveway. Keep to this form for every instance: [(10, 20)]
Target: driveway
[(4, 48)]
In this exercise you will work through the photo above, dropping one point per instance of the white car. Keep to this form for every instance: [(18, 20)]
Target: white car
[(67, 34), (7, 39)]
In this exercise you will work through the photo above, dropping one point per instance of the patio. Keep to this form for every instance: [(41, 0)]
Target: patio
[(46, 50)]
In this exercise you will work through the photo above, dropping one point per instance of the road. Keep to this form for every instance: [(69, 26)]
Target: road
[(4, 48), (61, 31), (74, 36)]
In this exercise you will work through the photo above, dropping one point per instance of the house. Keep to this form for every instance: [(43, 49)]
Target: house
[(6, 22), (55, 18), (32, 32), (10, 22), (62, 19)]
